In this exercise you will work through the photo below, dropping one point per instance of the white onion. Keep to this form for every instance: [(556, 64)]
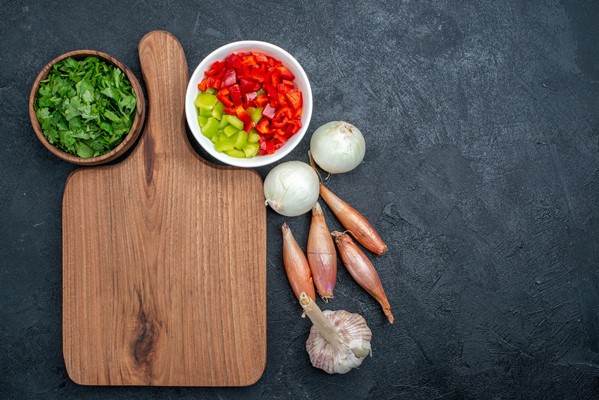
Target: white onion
[(291, 188), (337, 147)]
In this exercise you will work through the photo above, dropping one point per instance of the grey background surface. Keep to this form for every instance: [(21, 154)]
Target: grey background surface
[(481, 120)]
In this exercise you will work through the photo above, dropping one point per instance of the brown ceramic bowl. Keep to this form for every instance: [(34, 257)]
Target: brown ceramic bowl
[(128, 140)]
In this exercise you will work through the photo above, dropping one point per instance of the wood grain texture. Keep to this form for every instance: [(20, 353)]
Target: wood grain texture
[(164, 255)]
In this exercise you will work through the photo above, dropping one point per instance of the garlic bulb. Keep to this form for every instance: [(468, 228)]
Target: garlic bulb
[(338, 341)]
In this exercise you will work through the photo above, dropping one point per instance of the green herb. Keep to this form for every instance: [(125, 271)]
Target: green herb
[(85, 107)]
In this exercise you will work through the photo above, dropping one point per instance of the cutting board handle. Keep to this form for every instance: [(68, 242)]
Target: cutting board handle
[(165, 73)]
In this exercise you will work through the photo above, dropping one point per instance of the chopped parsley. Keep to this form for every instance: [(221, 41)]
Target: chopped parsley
[(85, 107)]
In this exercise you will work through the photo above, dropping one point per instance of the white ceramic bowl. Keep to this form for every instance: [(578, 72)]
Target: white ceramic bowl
[(301, 81)]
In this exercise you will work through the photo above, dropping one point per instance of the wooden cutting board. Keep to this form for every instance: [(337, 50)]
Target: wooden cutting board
[(164, 255)]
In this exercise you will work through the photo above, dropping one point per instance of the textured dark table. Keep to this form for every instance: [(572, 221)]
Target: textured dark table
[(482, 126)]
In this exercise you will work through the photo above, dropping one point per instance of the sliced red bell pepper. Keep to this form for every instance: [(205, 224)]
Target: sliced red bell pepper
[(258, 72), (229, 110), (293, 127), (220, 75), (242, 114), (243, 72), (261, 100), (249, 61), (248, 124), (273, 62), (270, 147), (235, 92), (215, 68), (229, 77), (289, 130), (284, 73), (294, 98), (203, 85), (223, 96), (268, 112), (274, 77), (282, 88), (281, 99), (234, 60), (263, 126), (281, 118), (268, 135), (271, 91), (248, 86), (283, 113), (257, 75), (279, 135), (297, 112), (260, 58), (267, 75)]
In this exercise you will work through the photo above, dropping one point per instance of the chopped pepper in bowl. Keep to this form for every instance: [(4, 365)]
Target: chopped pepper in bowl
[(248, 103)]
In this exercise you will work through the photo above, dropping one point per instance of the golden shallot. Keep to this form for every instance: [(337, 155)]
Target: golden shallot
[(362, 270), (354, 222), (322, 256), (296, 266)]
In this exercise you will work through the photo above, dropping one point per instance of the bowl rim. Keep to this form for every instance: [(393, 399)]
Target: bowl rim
[(221, 52), (130, 137)]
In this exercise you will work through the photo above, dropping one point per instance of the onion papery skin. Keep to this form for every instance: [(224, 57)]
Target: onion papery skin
[(291, 188), (337, 147)]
